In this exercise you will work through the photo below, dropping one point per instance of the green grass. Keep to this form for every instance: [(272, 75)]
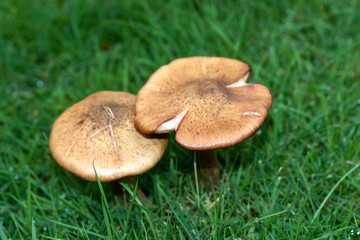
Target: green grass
[(298, 179)]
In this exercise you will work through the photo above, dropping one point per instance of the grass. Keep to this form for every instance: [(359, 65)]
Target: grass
[(296, 179)]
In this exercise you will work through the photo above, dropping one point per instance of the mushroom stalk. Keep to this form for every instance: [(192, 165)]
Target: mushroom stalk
[(209, 167)]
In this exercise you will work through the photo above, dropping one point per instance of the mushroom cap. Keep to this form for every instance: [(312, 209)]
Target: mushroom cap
[(81, 136), (206, 100)]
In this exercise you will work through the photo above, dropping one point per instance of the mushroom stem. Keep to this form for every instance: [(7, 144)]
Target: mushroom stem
[(209, 167)]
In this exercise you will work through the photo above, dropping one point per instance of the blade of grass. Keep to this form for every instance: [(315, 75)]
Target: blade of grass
[(33, 230), (2, 233), (87, 236), (106, 209), (196, 180), (18, 226), (182, 222), (52, 238), (28, 207), (106, 218), (307, 187), (266, 228), (12, 177), (78, 229), (39, 207), (298, 229), (197, 188), (218, 206), (331, 192), (262, 218), (336, 231), (142, 208), (143, 226), (239, 193)]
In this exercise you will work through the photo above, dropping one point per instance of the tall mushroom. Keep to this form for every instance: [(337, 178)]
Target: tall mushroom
[(99, 131), (207, 101)]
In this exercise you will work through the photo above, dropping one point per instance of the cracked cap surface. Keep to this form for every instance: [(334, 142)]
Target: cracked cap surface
[(206, 100), (81, 136)]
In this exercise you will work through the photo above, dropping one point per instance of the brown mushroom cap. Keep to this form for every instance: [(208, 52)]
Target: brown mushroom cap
[(206, 100), (76, 141)]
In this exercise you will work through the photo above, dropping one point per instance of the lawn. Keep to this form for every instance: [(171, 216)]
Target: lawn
[(297, 178)]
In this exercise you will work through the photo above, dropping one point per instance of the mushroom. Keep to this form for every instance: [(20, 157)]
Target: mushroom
[(99, 132), (207, 101)]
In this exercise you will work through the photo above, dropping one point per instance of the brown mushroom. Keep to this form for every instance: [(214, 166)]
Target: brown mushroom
[(99, 132), (206, 100)]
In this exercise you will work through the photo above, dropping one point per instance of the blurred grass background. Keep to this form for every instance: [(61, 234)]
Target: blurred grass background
[(303, 180)]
